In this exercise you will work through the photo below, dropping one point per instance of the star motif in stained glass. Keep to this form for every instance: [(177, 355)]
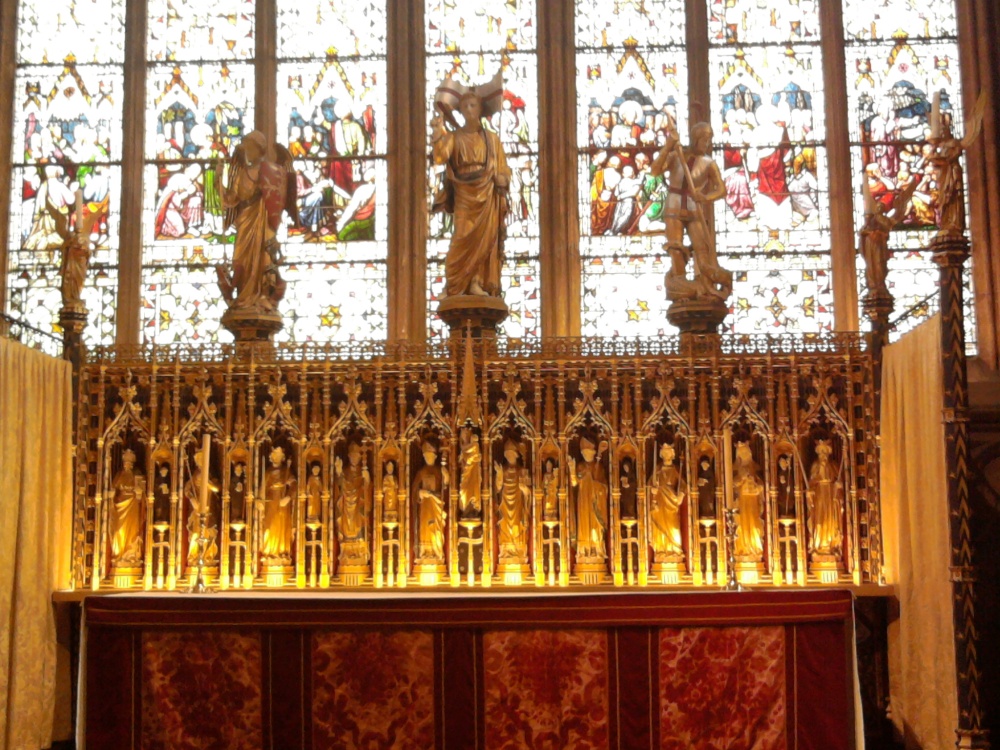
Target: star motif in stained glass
[(331, 317)]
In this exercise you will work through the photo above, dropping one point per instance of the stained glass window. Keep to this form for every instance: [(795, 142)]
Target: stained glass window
[(67, 143), (766, 79), (899, 55), (199, 105), (631, 91), (470, 40), (332, 114)]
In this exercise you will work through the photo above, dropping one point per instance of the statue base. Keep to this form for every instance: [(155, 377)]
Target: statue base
[(592, 573), (749, 572), (252, 326), (429, 572), (353, 574), (125, 576), (826, 568), (698, 314), (667, 571), (480, 314), (513, 572)]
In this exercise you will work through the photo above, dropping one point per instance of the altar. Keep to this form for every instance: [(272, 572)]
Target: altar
[(763, 669)]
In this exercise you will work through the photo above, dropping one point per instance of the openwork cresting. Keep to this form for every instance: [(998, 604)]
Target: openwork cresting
[(473, 462)]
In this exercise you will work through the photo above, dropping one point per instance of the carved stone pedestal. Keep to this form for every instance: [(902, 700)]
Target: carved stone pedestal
[(700, 315), (252, 326), (668, 569), (73, 321), (825, 567), (481, 315), (592, 572), (429, 572)]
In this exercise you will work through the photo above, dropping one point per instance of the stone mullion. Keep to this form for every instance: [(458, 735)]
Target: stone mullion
[(407, 167), (8, 70), (838, 159), (559, 206), (266, 69), (978, 28), (133, 141)]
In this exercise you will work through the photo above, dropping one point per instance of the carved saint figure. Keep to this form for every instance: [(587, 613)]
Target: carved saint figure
[(694, 183), (628, 500), (667, 492), (875, 235), (262, 185), (314, 493), (550, 493), (192, 493), (429, 510), (127, 490), (390, 494), (749, 491), (470, 492), (706, 487), (161, 493), (591, 483), (353, 504), (826, 533), (276, 506), (476, 185), (786, 493), (238, 492), (514, 488)]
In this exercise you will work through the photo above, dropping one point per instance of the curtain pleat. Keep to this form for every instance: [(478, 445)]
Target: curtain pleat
[(36, 490), (922, 686)]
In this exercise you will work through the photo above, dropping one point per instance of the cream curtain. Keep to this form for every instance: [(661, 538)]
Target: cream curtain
[(922, 686), (36, 489)]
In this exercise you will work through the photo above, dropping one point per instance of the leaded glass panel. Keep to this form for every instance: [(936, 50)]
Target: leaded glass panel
[(766, 74), (67, 144), (631, 92)]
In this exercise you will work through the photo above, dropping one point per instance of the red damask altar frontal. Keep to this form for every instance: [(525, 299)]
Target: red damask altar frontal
[(749, 671)]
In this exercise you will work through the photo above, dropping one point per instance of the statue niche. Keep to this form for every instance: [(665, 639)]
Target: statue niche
[(825, 506), (513, 483), (428, 501), (275, 507), (192, 496), (354, 506), (127, 490), (589, 480), (667, 494)]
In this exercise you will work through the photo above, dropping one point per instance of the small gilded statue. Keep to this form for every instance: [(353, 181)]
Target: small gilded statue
[(192, 493), (946, 160), (238, 488), (826, 534), (874, 233), (749, 491), (667, 493), (390, 494), (694, 183), (127, 501), (591, 483), (470, 491), (354, 493), (550, 492), (276, 510), (75, 249), (262, 186), (786, 491), (476, 184), (628, 502), (429, 507), (314, 493), (514, 503)]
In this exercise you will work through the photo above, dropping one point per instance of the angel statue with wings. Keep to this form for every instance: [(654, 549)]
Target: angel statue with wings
[(75, 248), (476, 185), (261, 188)]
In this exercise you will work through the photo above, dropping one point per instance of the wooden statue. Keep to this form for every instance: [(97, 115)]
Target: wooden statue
[(476, 185)]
